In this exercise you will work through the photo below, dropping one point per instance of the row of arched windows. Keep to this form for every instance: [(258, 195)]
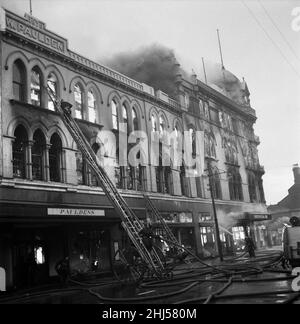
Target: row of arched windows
[(85, 103), (36, 160)]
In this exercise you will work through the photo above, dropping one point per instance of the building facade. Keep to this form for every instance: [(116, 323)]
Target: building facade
[(51, 203)]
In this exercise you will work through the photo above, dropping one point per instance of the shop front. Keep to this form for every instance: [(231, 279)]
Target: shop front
[(34, 239)]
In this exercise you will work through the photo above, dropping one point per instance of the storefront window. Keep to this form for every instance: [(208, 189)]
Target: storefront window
[(185, 217)]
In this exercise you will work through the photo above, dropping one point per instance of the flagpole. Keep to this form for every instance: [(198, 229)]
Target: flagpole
[(30, 4)]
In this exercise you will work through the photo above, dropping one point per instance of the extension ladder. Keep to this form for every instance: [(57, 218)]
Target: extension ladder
[(130, 222)]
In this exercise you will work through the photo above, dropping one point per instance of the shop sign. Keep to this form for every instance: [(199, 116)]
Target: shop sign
[(259, 217), (75, 212)]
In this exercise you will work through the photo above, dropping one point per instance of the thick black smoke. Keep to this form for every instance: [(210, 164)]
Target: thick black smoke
[(153, 65)]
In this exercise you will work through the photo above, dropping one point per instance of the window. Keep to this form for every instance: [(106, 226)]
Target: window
[(92, 107), (55, 158), (80, 169), (19, 152), (217, 185), (192, 133), (235, 184), (78, 96), (52, 84), (162, 125), (154, 123), (261, 190), (252, 186), (231, 153), (125, 116), (210, 145), (36, 86), (19, 81), (37, 151), (94, 179), (115, 118), (183, 181), (135, 122)]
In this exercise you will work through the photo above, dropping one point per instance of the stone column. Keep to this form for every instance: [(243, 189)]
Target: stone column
[(29, 160)]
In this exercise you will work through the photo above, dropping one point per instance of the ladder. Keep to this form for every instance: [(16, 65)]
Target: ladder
[(130, 222), (170, 237)]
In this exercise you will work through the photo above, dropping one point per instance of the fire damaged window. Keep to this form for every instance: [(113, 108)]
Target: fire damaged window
[(92, 106), (19, 152), (36, 86), (235, 184), (19, 81), (55, 159), (52, 83), (78, 96), (81, 169), (38, 152)]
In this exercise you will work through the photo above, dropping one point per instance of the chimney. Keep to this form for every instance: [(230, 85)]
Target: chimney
[(296, 170)]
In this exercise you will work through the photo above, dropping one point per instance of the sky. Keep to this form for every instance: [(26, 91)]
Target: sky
[(266, 54)]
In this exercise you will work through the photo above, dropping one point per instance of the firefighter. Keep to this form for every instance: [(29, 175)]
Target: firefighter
[(250, 246), (62, 268), (147, 237)]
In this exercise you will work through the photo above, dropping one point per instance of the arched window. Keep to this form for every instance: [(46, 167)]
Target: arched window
[(115, 118), (52, 83), (19, 152), (162, 125), (92, 107), (135, 121), (37, 151), (36, 86), (154, 123), (125, 116), (19, 81), (78, 96), (235, 184), (55, 159), (252, 186)]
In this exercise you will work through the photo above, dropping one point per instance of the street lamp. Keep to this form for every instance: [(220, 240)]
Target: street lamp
[(212, 192)]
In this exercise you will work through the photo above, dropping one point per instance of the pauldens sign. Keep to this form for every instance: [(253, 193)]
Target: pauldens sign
[(32, 29), (75, 212)]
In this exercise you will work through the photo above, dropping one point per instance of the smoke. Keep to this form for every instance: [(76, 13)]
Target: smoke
[(228, 218), (153, 65)]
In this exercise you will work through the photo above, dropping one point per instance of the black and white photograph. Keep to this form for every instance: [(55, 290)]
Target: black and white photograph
[(149, 155)]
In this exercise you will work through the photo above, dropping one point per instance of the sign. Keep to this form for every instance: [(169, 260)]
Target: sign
[(259, 217), (34, 30), (75, 212)]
